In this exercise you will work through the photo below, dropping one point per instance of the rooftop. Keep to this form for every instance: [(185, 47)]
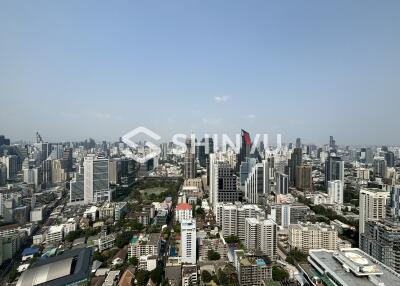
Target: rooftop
[(350, 267)]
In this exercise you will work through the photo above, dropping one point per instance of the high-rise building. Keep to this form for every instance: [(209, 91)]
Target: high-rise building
[(372, 206), (96, 185), (366, 155), (334, 169), (203, 150), (257, 183), (261, 236), (188, 240), (282, 184), (67, 160), (380, 167), (189, 171), (245, 148), (76, 187), (3, 174), (381, 238), (223, 182), (335, 192), (298, 143), (10, 161), (4, 141), (296, 160), (332, 144), (245, 169), (286, 214), (304, 177), (389, 157)]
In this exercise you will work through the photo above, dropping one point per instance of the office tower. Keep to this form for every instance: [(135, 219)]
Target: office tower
[(372, 206), (381, 238), (127, 171), (44, 150), (334, 169), (354, 155), (4, 141), (189, 171), (298, 143), (304, 177), (380, 167), (67, 160), (76, 187), (257, 184), (46, 173), (296, 160), (188, 241), (389, 157), (10, 161), (366, 155), (245, 148), (33, 176), (223, 182), (335, 192), (113, 171), (204, 149), (282, 184), (96, 185), (332, 144), (58, 174), (245, 169)]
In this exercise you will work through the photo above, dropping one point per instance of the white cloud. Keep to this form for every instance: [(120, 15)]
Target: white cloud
[(222, 98)]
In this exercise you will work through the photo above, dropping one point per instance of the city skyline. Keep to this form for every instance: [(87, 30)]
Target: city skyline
[(74, 70)]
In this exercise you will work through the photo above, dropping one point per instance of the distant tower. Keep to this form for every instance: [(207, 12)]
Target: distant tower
[(96, 185), (189, 171), (188, 241)]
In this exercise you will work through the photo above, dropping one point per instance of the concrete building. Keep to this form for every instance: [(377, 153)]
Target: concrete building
[(183, 212), (335, 192), (188, 241), (257, 183), (286, 214), (347, 267), (55, 234), (334, 169), (96, 185), (372, 206), (190, 170), (380, 167), (312, 236), (282, 183), (304, 177), (254, 271), (144, 245)]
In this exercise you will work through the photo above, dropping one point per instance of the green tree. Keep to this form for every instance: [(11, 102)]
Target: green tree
[(134, 261), (123, 239), (98, 256), (279, 274), (142, 277), (156, 275), (206, 276), (213, 255)]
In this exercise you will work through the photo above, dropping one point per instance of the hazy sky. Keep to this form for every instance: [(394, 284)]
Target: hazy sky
[(79, 69)]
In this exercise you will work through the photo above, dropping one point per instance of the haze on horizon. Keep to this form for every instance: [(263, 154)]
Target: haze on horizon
[(78, 69)]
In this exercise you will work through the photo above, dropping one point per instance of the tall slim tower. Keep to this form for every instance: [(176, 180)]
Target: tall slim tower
[(188, 240), (189, 171), (372, 206)]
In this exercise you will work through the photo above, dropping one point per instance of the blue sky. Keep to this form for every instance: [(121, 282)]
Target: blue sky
[(309, 69)]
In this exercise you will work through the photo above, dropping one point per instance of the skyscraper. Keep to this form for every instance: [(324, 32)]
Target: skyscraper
[(96, 185), (381, 238), (334, 169), (298, 143), (282, 183), (304, 177), (245, 149), (380, 167), (257, 183), (188, 240), (335, 192), (296, 160), (389, 157), (189, 171), (67, 160)]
